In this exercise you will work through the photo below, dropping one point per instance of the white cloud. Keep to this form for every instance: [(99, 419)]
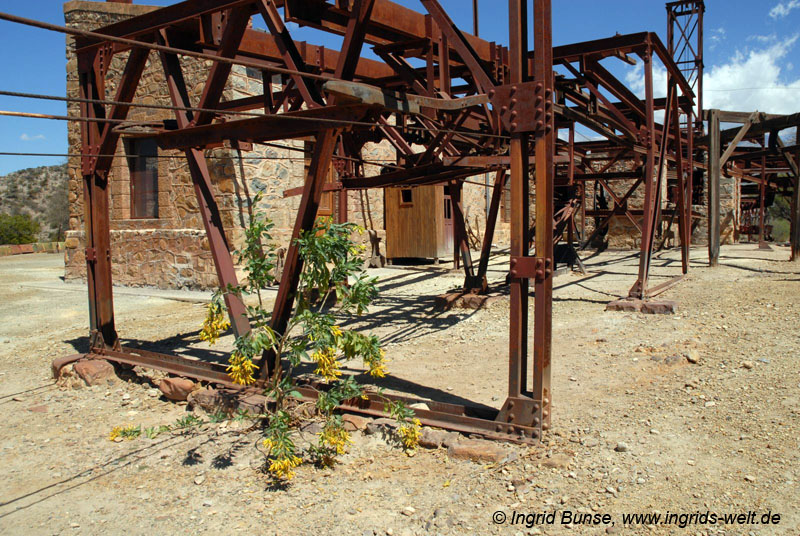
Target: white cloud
[(717, 36), (28, 137), (753, 80), (750, 80), (783, 8)]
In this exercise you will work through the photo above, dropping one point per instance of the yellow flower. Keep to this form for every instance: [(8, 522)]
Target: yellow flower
[(409, 433), (214, 324), (241, 369), (268, 444), (115, 433), (377, 370), (282, 467), (327, 364), (336, 438), (337, 331)]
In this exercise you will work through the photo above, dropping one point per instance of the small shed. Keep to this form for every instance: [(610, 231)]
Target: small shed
[(419, 222)]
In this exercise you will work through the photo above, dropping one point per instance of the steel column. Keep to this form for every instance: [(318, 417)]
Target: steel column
[(713, 187)]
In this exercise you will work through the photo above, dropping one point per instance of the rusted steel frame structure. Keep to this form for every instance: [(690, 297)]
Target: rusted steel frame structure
[(633, 135), (775, 164), (522, 417), (508, 100)]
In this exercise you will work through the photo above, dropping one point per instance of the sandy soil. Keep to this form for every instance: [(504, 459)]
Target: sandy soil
[(637, 428)]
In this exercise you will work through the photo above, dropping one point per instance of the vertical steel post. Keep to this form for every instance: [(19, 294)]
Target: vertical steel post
[(651, 193), (713, 187), (544, 157), (96, 208), (520, 223), (795, 208)]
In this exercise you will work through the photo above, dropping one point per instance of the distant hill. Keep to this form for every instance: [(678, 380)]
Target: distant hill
[(40, 192)]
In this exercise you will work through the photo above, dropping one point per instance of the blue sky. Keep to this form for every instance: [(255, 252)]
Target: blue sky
[(758, 70)]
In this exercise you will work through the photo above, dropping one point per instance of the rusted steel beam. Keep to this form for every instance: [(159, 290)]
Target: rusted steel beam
[(289, 125), (462, 46), (96, 205), (491, 223), (519, 145), (173, 15), (652, 192), (425, 174), (207, 204), (464, 418), (461, 241), (306, 215), (544, 149), (713, 187), (236, 23), (288, 48)]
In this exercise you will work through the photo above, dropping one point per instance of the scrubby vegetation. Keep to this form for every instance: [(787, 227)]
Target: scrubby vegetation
[(39, 195)]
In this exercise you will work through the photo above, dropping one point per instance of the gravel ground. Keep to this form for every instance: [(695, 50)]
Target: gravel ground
[(637, 427)]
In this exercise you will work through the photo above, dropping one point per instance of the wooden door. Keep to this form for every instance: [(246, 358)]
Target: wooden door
[(448, 221)]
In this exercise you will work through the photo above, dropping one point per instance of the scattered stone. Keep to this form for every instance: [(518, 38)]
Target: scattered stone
[(673, 359), (463, 300), (38, 409), (420, 405), (199, 479), (710, 404), (477, 451), (18, 399), (176, 389), (692, 356), (95, 371), (208, 502), (747, 365), (750, 478), (558, 461), (659, 307), (432, 439), (408, 511), (354, 422), (625, 305), (621, 447), (590, 442), (380, 426)]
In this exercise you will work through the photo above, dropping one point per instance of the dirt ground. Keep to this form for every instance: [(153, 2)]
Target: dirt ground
[(637, 428)]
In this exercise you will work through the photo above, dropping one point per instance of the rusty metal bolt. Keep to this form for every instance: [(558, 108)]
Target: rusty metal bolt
[(539, 274), (514, 126), (491, 93)]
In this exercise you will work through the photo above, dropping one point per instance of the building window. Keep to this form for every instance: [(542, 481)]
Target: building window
[(406, 197), (143, 165)]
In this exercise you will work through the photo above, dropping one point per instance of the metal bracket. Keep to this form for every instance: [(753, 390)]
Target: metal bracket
[(524, 107), (91, 255), (537, 268), (518, 415)]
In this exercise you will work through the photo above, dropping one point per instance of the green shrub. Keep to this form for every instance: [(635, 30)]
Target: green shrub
[(18, 229)]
